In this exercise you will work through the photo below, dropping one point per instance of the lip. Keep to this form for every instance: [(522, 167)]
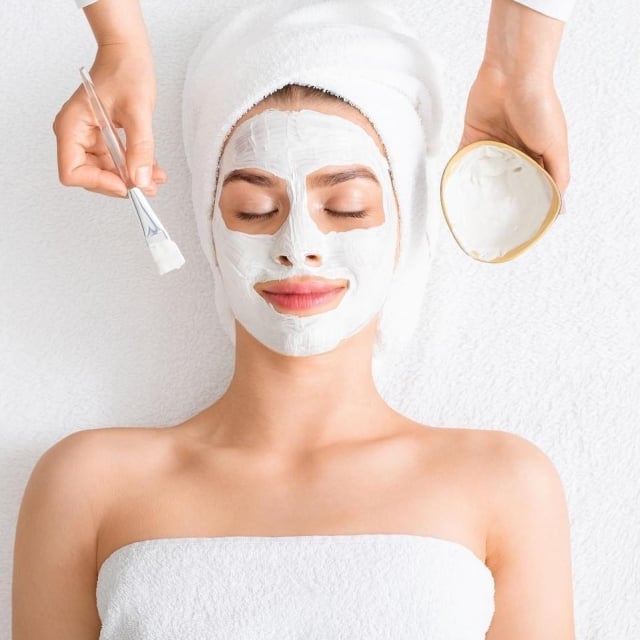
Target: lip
[(300, 294)]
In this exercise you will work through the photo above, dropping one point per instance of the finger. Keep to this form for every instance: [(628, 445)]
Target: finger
[(76, 138), (99, 180), (151, 190), (99, 174), (88, 174), (110, 193), (159, 175), (137, 126), (556, 162), (560, 176)]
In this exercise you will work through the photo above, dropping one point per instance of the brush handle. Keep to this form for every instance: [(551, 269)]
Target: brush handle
[(110, 135), (151, 225), (116, 149)]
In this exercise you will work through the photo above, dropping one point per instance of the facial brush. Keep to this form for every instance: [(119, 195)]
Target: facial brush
[(164, 251)]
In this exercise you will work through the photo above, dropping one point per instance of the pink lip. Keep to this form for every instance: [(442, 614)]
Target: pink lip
[(298, 295)]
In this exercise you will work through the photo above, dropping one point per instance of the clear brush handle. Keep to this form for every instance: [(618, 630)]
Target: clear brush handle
[(111, 137), (164, 251)]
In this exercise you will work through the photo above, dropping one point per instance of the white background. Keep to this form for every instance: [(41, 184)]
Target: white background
[(546, 346)]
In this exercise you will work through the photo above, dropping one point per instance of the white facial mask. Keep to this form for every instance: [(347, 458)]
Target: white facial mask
[(291, 145)]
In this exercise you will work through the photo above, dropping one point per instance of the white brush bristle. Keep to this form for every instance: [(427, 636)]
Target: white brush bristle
[(167, 256)]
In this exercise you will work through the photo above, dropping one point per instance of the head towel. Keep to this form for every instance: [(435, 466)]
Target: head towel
[(362, 52)]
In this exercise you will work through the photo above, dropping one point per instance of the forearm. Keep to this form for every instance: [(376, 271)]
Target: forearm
[(521, 42), (117, 22)]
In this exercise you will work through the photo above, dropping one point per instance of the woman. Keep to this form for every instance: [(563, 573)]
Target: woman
[(300, 505)]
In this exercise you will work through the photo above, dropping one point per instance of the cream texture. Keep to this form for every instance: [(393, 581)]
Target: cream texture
[(291, 145), (315, 587), (166, 255), (495, 201)]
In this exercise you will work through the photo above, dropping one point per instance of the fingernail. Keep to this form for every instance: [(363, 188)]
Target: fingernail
[(143, 176)]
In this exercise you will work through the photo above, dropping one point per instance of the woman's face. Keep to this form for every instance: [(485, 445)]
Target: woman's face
[(305, 227)]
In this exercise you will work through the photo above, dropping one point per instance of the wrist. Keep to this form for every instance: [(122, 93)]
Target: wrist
[(117, 22), (125, 52), (521, 42), (505, 83)]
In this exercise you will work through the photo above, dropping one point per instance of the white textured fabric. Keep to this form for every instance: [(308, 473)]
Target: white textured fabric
[(560, 9), (360, 51), (324, 587)]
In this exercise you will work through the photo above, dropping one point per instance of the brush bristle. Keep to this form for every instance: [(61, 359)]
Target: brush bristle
[(167, 256)]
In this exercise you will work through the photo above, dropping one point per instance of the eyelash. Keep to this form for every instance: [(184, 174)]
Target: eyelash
[(347, 214), (254, 216), (242, 215)]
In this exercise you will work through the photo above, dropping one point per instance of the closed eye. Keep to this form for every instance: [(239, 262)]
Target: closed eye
[(244, 215), (347, 214)]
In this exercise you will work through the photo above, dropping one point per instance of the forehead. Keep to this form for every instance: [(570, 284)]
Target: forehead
[(290, 143)]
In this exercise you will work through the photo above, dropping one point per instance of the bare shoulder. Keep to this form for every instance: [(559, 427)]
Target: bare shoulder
[(506, 455), (94, 449), (528, 537), (72, 465), (82, 467), (502, 452), (54, 568), (103, 443), (520, 466), (528, 544), (519, 474)]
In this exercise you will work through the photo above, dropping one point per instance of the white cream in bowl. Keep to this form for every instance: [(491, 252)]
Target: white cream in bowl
[(496, 200)]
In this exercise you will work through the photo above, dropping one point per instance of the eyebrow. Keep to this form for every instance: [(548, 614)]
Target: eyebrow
[(247, 176), (329, 179), (324, 180)]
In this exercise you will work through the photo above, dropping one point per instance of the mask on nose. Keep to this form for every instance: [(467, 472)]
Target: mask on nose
[(291, 145)]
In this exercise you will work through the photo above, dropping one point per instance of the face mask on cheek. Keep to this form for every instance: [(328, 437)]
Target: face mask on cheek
[(291, 145)]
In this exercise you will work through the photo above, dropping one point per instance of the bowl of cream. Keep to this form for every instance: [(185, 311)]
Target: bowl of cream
[(497, 201)]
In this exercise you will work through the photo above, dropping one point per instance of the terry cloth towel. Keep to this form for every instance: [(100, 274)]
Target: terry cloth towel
[(560, 9), (323, 587), (360, 51)]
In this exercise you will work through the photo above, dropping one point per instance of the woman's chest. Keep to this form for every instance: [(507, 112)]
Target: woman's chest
[(353, 494)]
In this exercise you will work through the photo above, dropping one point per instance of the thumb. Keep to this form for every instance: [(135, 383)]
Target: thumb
[(556, 162), (137, 125)]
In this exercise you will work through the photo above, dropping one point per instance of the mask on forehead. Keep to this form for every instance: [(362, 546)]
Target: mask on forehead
[(291, 145)]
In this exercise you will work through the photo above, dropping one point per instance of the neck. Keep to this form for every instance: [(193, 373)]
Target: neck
[(288, 405)]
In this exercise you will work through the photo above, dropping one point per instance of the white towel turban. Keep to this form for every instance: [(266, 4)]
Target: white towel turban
[(359, 50)]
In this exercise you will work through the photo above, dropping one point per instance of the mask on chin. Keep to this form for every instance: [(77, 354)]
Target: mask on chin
[(291, 145)]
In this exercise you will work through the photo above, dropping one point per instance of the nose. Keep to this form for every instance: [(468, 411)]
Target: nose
[(311, 259), (299, 241)]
